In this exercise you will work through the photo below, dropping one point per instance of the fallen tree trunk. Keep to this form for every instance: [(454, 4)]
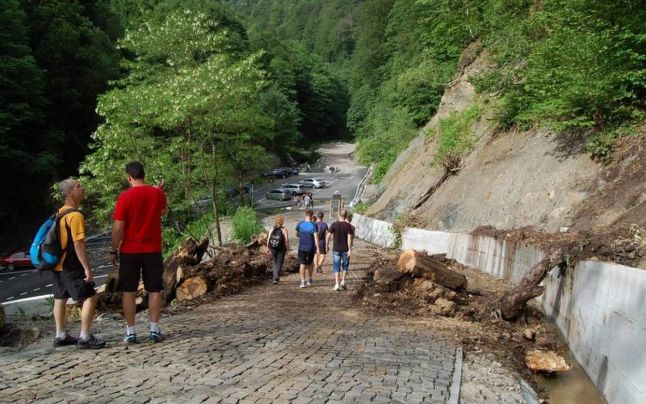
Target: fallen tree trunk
[(419, 265), (188, 254), (513, 303), (192, 288)]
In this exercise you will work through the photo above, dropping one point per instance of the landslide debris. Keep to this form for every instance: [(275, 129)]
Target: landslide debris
[(469, 315), (190, 280)]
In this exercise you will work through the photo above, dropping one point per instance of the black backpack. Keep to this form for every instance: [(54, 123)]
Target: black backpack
[(276, 240)]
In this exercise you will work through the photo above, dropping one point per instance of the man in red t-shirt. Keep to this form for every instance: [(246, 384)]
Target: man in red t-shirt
[(137, 247)]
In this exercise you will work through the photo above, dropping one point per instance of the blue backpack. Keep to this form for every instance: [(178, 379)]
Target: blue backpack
[(46, 248)]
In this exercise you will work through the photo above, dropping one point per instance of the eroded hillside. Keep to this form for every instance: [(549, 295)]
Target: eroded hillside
[(510, 179)]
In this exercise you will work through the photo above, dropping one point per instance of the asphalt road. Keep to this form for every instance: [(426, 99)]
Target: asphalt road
[(25, 283)]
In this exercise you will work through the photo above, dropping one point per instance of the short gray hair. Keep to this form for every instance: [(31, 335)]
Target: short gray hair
[(66, 186)]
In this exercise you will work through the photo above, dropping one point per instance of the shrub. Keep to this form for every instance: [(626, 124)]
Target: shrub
[(454, 134), (245, 224)]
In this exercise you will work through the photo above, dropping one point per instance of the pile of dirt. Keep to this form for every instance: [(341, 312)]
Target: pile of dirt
[(470, 317), (623, 245)]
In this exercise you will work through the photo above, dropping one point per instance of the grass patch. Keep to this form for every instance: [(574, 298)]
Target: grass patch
[(455, 135)]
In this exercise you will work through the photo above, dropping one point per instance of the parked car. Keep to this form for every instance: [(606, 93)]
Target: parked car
[(19, 259), (313, 183), (235, 191), (295, 189), (282, 172), (279, 194)]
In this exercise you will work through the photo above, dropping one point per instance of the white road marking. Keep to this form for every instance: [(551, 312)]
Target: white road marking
[(12, 297), (100, 276), (49, 285), (22, 294), (23, 275), (35, 290), (13, 277)]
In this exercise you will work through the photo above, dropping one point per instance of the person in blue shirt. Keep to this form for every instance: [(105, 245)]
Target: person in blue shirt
[(308, 246)]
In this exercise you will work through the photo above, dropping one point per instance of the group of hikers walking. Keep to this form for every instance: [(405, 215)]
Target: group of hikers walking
[(314, 237)]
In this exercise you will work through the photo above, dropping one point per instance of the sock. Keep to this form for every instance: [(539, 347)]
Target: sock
[(131, 330), (61, 334), (84, 335), (154, 327)]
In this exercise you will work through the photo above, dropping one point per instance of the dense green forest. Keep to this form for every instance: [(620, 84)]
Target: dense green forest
[(577, 66), (205, 92)]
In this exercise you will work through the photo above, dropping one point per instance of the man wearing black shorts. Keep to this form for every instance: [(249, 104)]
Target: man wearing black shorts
[(137, 247), (72, 276), (308, 246)]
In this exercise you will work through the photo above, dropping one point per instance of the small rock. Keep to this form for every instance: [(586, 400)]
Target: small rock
[(437, 293), (545, 343), (450, 294), (529, 334), (445, 307), (545, 361)]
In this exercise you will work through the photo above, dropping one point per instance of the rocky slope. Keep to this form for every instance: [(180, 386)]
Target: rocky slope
[(512, 179)]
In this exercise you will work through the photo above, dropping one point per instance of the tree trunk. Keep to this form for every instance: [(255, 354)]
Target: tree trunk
[(192, 288), (419, 265), (513, 303), (189, 253)]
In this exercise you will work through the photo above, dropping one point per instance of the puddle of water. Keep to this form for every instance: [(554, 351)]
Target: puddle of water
[(573, 386)]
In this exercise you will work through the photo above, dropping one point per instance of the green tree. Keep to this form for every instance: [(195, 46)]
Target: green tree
[(188, 109)]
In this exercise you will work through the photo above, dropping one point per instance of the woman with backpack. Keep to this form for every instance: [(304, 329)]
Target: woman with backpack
[(278, 244)]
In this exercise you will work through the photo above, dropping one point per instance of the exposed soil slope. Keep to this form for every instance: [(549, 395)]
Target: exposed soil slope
[(514, 179)]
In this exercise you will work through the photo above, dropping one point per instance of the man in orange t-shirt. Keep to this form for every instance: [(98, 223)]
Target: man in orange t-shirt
[(137, 247), (72, 276)]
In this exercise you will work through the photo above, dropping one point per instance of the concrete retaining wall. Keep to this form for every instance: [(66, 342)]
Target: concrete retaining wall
[(600, 307)]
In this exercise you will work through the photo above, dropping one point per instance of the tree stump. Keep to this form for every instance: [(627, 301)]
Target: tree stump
[(188, 254), (419, 265), (513, 303), (192, 288)]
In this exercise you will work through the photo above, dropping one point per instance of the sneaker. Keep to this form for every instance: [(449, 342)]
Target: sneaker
[(68, 340), (156, 336), (336, 287), (343, 286), (130, 339), (309, 283), (275, 282), (90, 343), (302, 284)]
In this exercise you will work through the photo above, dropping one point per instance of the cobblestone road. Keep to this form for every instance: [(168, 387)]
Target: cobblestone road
[(272, 343)]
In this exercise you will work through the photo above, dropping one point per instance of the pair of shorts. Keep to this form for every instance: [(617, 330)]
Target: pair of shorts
[(306, 257), (71, 283), (340, 261), (134, 266)]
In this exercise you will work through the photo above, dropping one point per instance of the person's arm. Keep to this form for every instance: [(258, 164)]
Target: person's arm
[(316, 241), (117, 238), (81, 253), (327, 237), (286, 234), (164, 210), (350, 240)]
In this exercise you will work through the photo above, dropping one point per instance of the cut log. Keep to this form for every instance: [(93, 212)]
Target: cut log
[(513, 303), (257, 241), (188, 254), (419, 265), (192, 288)]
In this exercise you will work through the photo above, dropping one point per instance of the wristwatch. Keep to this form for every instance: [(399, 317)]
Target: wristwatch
[(113, 252)]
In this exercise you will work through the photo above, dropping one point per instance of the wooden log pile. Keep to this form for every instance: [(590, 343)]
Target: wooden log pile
[(188, 276), (430, 276)]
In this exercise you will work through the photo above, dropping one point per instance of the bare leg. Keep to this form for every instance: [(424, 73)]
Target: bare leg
[(310, 270), (302, 272), (154, 306), (59, 313), (129, 307), (87, 314), (336, 278), (343, 274)]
